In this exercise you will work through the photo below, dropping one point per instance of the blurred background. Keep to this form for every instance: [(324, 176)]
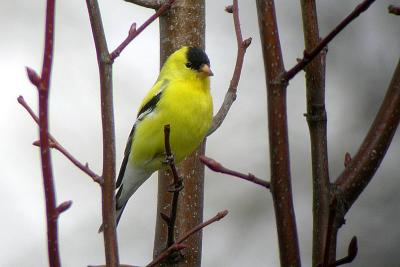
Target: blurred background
[(360, 63)]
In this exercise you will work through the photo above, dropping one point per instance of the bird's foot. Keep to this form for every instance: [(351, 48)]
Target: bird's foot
[(169, 160), (176, 186)]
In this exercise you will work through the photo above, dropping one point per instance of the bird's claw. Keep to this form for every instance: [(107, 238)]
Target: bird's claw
[(176, 187), (169, 159)]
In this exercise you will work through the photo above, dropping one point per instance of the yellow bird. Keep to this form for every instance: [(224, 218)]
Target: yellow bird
[(181, 98)]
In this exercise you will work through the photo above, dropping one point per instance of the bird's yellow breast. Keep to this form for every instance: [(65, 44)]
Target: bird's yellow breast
[(186, 105)]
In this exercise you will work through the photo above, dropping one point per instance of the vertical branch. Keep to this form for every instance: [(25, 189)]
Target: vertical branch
[(177, 28), (278, 135), (317, 123), (108, 187), (43, 85)]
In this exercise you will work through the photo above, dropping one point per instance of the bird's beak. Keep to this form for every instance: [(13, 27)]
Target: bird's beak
[(206, 70)]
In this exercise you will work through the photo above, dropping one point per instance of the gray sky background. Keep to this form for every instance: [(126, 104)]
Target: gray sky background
[(360, 63)]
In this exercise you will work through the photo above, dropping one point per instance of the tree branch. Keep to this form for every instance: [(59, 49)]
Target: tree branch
[(56, 145), (281, 188), (108, 187), (42, 83), (395, 10), (177, 246), (217, 167), (309, 56), (230, 95), (177, 187), (153, 4), (317, 123), (364, 164), (133, 32)]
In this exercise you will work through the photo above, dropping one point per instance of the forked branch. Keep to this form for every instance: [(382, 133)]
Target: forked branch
[(230, 95), (309, 56), (133, 32), (56, 145)]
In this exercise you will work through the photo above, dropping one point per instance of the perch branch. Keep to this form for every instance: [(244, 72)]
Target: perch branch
[(177, 187), (56, 145), (309, 56), (133, 32), (177, 246), (218, 167), (230, 95)]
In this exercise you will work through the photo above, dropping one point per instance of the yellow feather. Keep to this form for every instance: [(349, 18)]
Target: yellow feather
[(185, 104)]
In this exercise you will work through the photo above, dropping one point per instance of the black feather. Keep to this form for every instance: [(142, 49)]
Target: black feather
[(196, 58)]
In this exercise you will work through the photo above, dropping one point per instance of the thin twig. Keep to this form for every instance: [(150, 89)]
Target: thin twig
[(133, 32), (351, 254), (217, 167), (56, 145), (177, 245), (317, 124), (395, 10), (177, 187), (42, 83), (309, 56), (230, 95), (107, 119), (153, 4)]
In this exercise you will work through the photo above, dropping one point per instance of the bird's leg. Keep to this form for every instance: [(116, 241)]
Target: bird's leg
[(176, 186)]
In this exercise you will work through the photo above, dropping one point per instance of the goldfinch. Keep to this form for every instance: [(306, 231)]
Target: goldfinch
[(181, 98)]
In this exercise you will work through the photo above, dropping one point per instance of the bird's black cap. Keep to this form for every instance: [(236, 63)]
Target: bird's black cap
[(196, 58)]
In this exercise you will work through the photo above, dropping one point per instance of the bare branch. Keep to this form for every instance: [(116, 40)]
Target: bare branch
[(366, 161), (317, 124), (42, 83), (395, 10), (153, 4), (230, 95), (309, 56), (133, 32), (281, 185), (217, 167), (177, 187), (178, 244), (107, 116), (56, 145)]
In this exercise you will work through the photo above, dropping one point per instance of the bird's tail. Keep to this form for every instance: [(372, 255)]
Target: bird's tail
[(131, 182)]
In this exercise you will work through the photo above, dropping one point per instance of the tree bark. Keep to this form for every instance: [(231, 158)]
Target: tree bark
[(183, 24)]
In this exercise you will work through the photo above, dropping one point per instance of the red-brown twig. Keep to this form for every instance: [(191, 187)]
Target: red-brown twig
[(352, 251), (177, 187), (230, 95), (395, 10), (217, 167), (107, 119), (42, 83), (56, 145), (281, 185), (177, 246), (133, 32), (309, 56)]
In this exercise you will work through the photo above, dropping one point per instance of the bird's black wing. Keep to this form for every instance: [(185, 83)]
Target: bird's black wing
[(143, 112)]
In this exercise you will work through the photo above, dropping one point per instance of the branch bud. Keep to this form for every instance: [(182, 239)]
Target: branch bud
[(229, 9), (33, 76)]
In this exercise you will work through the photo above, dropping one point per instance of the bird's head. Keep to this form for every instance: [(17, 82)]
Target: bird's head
[(188, 63)]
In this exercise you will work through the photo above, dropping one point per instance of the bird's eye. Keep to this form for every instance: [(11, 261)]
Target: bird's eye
[(188, 65)]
